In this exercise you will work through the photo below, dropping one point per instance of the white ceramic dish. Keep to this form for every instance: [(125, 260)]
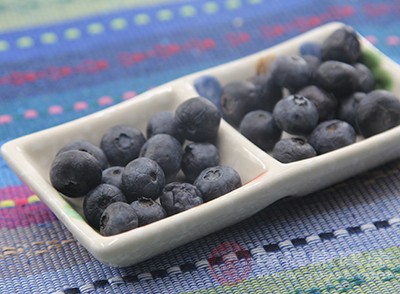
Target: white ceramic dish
[(265, 179)]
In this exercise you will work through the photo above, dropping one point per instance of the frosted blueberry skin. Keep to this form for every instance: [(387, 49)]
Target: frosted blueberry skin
[(97, 200), (178, 197), (209, 87), (216, 181), (163, 122), (238, 98), (347, 109), (268, 93), (74, 173), (325, 102), (86, 146), (377, 112), (337, 77), (291, 72), (198, 120), (260, 128), (197, 157), (292, 149), (342, 45), (296, 115), (166, 151), (117, 218), (148, 211), (122, 144), (112, 176), (142, 177), (366, 80), (331, 135)]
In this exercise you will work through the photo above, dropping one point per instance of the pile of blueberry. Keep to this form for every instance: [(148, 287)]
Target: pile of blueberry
[(130, 181), (320, 99)]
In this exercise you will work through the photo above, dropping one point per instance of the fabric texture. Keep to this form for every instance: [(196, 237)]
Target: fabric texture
[(342, 239)]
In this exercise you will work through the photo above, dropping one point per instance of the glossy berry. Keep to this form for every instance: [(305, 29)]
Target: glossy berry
[(122, 144), (112, 176), (117, 218), (209, 87), (97, 200), (337, 77), (347, 109), (377, 112), (166, 151), (86, 146), (197, 157), (291, 72), (178, 197), (148, 211), (268, 93), (216, 181), (296, 115), (325, 102), (238, 98), (331, 135), (260, 128), (74, 173), (198, 119), (142, 177), (342, 45), (163, 122), (366, 80), (292, 149)]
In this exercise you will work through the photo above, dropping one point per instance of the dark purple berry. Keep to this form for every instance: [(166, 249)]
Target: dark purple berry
[(209, 87), (112, 176), (260, 128), (197, 157), (178, 197), (292, 149), (331, 135), (74, 173), (216, 181), (163, 122), (117, 218), (347, 109), (268, 94), (366, 80), (148, 211), (122, 144)]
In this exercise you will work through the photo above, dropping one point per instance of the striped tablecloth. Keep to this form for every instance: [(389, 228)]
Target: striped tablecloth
[(61, 60)]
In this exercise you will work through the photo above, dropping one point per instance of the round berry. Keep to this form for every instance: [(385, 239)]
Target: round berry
[(178, 197), (148, 211), (292, 149), (117, 218)]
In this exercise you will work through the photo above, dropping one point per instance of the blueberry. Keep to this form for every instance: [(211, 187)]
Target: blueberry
[(198, 119), (313, 63), (292, 149), (148, 211), (178, 197), (163, 122), (197, 157), (83, 145), (366, 80), (122, 144), (166, 151), (342, 45), (291, 72), (238, 98), (97, 200), (117, 218), (337, 77), (209, 87), (331, 135), (112, 176), (142, 177), (310, 49), (347, 109), (216, 181), (268, 94), (74, 173), (296, 115), (377, 112), (260, 128), (325, 102)]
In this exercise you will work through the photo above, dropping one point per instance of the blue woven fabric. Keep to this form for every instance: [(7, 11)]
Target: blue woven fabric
[(344, 238)]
